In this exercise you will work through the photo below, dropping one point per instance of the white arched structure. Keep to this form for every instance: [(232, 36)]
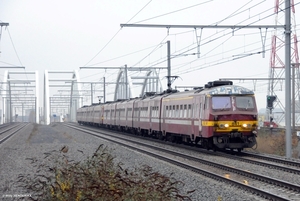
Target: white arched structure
[(151, 84), (69, 100), (123, 89), (124, 84)]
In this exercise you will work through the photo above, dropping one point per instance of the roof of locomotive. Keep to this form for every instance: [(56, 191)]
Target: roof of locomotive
[(228, 90)]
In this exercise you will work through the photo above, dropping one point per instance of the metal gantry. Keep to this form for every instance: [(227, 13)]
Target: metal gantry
[(17, 95)]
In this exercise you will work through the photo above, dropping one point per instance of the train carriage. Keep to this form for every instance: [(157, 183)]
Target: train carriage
[(128, 124), (98, 115), (80, 115), (155, 103), (109, 115), (122, 108), (147, 114), (141, 116), (89, 114), (178, 117)]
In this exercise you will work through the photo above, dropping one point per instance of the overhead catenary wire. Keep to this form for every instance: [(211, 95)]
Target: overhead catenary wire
[(202, 3), (227, 33), (172, 12), (190, 49), (116, 35)]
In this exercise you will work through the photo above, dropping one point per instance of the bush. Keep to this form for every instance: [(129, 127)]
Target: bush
[(97, 178)]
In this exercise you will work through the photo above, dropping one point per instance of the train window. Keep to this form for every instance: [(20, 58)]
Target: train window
[(244, 102), (166, 111), (152, 111), (142, 112), (201, 110), (219, 102), (195, 110), (175, 112), (147, 112), (185, 111), (191, 111), (181, 111)]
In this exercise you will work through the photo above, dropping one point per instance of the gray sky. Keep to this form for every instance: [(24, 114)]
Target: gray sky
[(67, 34)]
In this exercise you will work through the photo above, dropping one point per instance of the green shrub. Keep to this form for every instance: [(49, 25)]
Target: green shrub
[(97, 178)]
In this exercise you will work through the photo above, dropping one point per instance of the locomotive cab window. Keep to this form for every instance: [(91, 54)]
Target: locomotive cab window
[(244, 102), (221, 103)]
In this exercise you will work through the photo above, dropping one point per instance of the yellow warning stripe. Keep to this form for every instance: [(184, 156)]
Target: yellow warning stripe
[(230, 123)]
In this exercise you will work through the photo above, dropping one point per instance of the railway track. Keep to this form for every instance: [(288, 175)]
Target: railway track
[(272, 162), (286, 162), (266, 187), (8, 130)]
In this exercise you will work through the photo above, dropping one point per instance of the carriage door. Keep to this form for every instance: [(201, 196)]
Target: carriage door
[(201, 112)]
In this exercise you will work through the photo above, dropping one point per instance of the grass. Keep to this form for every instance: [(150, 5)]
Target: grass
[(97, 178), (274, 143)]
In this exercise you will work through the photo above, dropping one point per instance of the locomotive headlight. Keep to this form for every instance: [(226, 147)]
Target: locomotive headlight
[(223, 125), (247, 125)]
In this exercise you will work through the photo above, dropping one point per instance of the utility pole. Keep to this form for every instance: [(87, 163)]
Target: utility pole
[(287, 79), (169, 65)]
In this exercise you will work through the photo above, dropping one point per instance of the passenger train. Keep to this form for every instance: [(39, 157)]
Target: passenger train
[(219, 115)]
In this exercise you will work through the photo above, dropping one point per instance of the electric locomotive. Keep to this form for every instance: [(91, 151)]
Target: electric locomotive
[(230, 120)]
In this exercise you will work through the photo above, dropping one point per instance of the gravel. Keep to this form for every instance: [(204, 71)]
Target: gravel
[(35, 140)]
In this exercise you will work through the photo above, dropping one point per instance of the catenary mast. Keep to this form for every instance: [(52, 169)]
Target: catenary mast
[(287, 68)]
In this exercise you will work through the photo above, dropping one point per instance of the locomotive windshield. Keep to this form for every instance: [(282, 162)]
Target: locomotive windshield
[(232, 103), (221, 102), (244, 102)]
